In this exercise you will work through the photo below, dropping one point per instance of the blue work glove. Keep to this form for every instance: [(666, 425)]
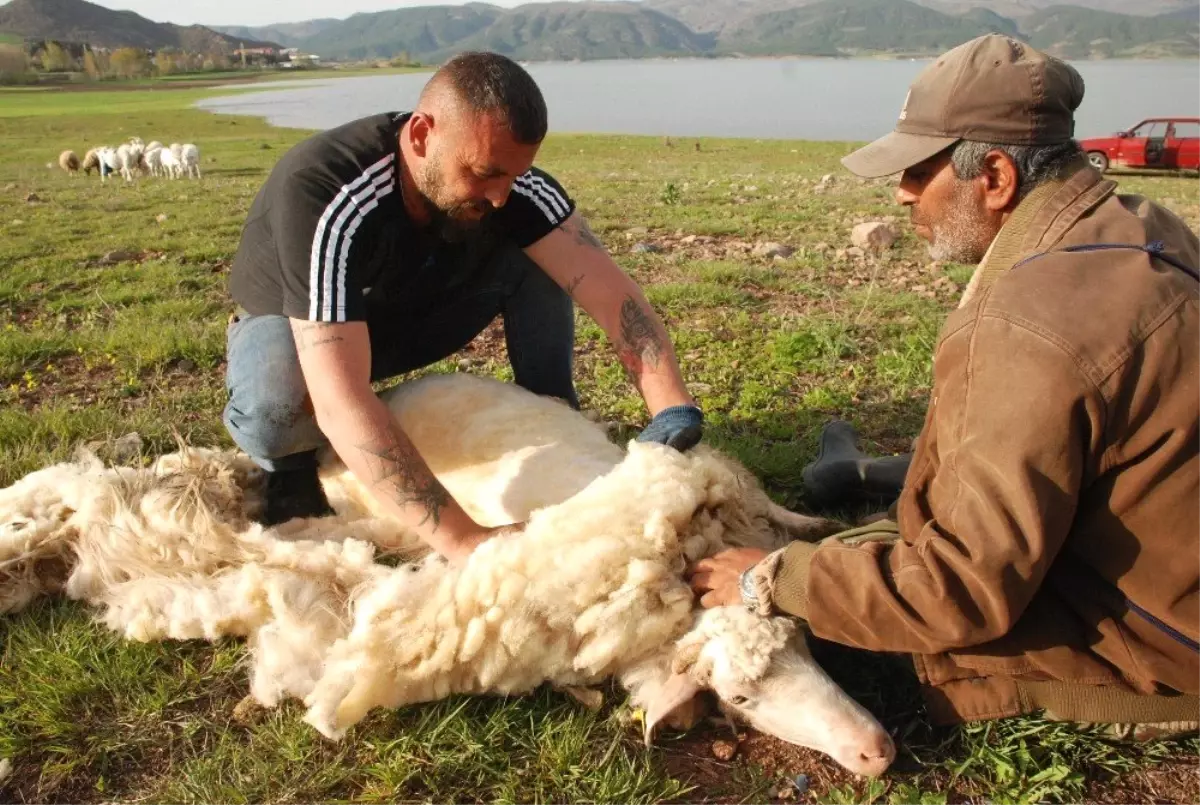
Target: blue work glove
[(679, 426)]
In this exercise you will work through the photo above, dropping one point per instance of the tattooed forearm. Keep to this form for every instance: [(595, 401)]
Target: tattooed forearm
[(642, 343), (583, 233), (573, 286), (395, 468), (314, 334)]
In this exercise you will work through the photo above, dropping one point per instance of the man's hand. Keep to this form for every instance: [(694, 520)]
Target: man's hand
[(716, 579), (458, 553), (679, 426)]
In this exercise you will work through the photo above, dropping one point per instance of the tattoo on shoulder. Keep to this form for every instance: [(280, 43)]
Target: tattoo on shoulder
[(396, 469), (584, 235), (315, 333), (642, 343)]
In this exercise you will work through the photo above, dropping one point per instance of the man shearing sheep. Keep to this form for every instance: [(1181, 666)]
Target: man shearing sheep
[(387, 244)]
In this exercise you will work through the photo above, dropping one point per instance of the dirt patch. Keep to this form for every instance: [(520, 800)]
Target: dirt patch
[(1176, 781)]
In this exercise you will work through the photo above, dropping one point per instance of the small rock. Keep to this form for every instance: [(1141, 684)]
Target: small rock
[(646, 248), (724, 750), (161, 218), (11, 186), (119, 256), (32, 198), (822, 247), (856, 252), (16, 222), (771, 249), (637, 230), (801, 783), (700, 388), (248, 711), (689, 240), (127, 447), (187, 366), (465, 363), (750, 188), (840, 254), (874, 235), (828, 179), (6, 769)]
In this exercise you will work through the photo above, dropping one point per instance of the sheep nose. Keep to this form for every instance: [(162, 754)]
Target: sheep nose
[(874, 759)]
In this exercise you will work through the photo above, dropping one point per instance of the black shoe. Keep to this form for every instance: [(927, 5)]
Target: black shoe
[(843, 475), (294, 493)]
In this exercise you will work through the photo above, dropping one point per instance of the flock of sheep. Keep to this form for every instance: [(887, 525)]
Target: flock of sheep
[(593, 587), (172, 161)]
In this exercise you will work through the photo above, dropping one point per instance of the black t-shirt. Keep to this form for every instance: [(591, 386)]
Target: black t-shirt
[(329, 227)]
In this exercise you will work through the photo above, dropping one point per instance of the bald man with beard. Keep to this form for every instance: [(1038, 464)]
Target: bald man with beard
[(389, 243)]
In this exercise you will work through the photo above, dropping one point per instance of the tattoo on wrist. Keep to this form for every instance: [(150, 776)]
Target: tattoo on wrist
[(314, 334), (398, 470), (573, 286), (584, 235), (642, 345)]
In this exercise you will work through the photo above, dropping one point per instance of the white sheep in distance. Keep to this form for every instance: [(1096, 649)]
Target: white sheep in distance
[(588, 590), (189, 156), (152, 161), (170, 162)]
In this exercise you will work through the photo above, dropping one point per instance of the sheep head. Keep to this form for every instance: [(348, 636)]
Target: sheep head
[(762, 673)]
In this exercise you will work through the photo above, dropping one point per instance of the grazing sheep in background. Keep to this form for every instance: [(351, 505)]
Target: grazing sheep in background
[(171, 166), (152, 161), (91, 161), (129, 159), (108, 161), (190, 158), (68, 161), (592, 587), (153, 144)]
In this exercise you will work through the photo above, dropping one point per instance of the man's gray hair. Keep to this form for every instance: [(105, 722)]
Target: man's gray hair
[(1035, 163)]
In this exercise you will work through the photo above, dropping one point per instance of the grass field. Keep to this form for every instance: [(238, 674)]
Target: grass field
[(113, 310)]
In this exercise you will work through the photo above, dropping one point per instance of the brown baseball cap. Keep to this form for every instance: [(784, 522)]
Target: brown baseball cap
[(993, 89)]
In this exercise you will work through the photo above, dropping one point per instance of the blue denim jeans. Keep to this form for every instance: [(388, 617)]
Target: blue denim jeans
[(269, 414)]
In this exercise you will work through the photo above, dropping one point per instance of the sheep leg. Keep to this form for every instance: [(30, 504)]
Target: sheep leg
[(802, 527)]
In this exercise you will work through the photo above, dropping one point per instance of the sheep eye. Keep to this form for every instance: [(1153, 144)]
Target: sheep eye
[(738, 701)]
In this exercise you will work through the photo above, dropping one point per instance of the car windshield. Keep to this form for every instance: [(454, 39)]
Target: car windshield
[(1153, 129)]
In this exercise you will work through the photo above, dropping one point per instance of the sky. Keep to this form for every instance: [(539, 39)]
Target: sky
[(266, 12)]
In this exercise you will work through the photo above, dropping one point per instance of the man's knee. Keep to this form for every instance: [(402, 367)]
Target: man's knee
[(268, 414)]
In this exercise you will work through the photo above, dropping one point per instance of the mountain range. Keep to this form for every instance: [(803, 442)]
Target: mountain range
[(81, 21), (597, 30)]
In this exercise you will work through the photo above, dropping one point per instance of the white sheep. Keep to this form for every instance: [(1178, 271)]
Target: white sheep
[(129, 159), (170, 163), (190, 159), (107, 161), (152, 161), (587, 590)]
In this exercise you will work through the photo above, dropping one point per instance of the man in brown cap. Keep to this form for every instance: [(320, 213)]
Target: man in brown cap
[(1045, 549)]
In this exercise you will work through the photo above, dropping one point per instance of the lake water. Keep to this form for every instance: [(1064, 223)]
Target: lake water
[(806, 99)]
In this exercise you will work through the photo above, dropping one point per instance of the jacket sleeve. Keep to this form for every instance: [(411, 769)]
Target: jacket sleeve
[(1013, 424)]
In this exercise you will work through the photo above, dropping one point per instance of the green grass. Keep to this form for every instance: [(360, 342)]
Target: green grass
[(771, 350)]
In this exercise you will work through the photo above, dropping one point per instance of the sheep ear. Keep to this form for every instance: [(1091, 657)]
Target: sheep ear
[(677, 691)]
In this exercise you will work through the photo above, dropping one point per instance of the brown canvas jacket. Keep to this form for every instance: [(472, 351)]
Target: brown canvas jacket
[(1050, 523)]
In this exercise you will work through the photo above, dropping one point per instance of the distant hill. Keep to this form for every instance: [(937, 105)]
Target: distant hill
[(568, 31), (81, 21), (285, 33), (850, 27), (420, 32), (1080, 33), (540, 31)]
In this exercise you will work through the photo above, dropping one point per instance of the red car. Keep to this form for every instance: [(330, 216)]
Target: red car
[(1159, 142)]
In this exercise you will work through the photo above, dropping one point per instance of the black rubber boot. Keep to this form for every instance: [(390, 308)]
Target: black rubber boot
[(844, 475), (294, 493)]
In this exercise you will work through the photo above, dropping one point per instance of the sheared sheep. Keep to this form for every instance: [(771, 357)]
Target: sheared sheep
[(170, 163), (587, 590), (68, 161)]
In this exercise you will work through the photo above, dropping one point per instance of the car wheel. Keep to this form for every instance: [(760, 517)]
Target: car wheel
[(1098, 160)]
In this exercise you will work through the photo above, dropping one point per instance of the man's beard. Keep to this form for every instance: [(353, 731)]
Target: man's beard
[(961, 236), (446, 219)]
